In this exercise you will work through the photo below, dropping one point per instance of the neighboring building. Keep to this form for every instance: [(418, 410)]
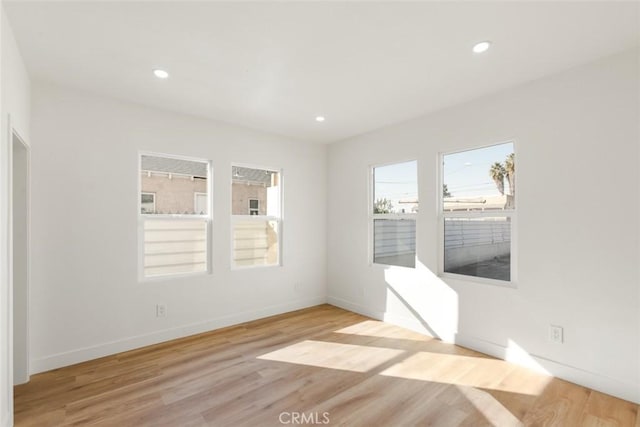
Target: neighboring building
[(483, 203), (249, 190), (173, 186), (408, 206)]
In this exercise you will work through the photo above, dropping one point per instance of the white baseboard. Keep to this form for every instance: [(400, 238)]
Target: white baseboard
[(614, 387), (7, 420), (402, 321), (106, 349), (356, 308), (622, 389)]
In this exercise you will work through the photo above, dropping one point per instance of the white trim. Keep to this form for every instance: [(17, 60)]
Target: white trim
[(442, 214), (255, 267), (371, 216), (79, 355), (480, 146), (356, 308), (27, 147), (8, 304), (479, 280), (6, 140), (180, 217), (171, 276), (14, 134)]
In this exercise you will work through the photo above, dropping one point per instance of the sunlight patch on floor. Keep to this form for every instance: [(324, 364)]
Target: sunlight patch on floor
[(331, 355), (373, 328), (469, 371), (494, 412)]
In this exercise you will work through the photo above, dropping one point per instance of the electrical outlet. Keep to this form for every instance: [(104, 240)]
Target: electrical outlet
[(556, 334), (161, 310)]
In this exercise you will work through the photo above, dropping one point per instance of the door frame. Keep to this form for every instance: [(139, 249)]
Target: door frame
[(12, 136)]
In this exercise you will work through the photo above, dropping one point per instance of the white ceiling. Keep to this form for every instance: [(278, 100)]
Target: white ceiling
[(275, 66)]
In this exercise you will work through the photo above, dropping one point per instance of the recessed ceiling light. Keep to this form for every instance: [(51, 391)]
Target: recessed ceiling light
[(481, 47), (161, 74), (319, 118)]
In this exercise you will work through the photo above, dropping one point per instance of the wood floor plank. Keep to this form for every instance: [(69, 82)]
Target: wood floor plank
[(605, 410), (316, 362), (562, 403)]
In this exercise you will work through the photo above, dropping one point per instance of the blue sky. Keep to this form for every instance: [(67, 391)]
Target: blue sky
[(466, 175), (396, 182)]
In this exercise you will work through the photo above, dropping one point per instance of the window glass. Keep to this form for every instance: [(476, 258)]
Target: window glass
[(172, 246), (261, 185), (395, 203), (394, 242), (256, 222), (174, 183), (174, 220), (478, 211), (479, 247), (255, 242), (395, 188), (480, 179)]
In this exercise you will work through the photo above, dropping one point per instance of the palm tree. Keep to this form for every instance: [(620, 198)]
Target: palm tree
[(382, 206), (445, 191), (497, 173), (510, 169)]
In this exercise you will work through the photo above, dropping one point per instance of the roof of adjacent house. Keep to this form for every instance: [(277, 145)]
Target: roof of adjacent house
[(239, 173), (199, 169), (171, 165)]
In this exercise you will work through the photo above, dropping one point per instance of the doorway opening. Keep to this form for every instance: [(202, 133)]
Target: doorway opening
[(19, 279)]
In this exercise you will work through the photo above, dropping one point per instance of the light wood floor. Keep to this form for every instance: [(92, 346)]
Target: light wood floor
[(324, 364)]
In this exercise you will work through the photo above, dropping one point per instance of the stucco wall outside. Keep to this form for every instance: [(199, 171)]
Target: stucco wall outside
[(175, 195), (242, 192)]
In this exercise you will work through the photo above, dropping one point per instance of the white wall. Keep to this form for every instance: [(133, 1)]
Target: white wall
[(14, 101), (577, 142), (86, 299)]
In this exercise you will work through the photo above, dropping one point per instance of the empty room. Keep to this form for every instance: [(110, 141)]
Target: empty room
[(348, 213)]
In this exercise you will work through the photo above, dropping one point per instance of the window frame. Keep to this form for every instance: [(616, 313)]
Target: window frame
[(254, 209), (493, 213), (371, 217), (257, 218), (142, 218), (146, 193), (195, 199)]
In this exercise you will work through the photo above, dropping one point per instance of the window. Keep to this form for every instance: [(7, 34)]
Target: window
[(148, 203), (255, 216), (478, 212), (174, 216), (200, 203), (254, 207), (393, 212)]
